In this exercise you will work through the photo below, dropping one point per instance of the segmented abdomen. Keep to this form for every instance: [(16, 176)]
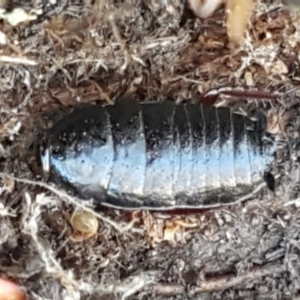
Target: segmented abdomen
[(158, 155)]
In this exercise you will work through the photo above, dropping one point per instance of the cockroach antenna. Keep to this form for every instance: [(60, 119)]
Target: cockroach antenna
[(211, 96)]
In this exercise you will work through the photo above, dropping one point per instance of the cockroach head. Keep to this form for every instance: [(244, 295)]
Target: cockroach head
[(42, 124)]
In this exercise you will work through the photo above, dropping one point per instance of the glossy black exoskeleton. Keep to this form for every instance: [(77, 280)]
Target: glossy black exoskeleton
[(158, 155)]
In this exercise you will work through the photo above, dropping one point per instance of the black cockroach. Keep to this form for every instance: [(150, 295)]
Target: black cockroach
[(159, 156)]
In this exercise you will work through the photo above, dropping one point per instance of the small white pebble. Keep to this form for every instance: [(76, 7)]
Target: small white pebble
[(228, 235), (3, 39), (219, 219), (207, 233), (17, 16), (227, 218), (255, 221), (268, 35), (202, 218)]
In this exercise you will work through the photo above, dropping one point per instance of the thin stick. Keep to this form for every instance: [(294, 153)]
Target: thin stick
[(219, 284), (65, 197)]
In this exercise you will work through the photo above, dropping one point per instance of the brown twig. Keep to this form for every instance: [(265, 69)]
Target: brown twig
[(223, 283)]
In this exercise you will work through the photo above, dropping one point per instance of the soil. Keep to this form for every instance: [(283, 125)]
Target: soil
[(85, 51)]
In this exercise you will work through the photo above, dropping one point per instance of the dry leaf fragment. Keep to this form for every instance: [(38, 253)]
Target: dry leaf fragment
[(204, 8), (10, 291), (171, 230), (279, 68), (277, 121), (8, 185)]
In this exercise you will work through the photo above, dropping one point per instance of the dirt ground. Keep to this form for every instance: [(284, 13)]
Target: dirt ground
[(82, 51)]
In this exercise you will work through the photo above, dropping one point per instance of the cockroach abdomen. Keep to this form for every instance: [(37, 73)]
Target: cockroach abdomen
[(158, 156)]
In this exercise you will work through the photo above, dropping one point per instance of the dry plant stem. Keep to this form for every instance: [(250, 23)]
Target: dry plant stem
[(126, 288), (238, 15), (17, 60), (64, 196), (53, 267), (223, 283), (118, 38)]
